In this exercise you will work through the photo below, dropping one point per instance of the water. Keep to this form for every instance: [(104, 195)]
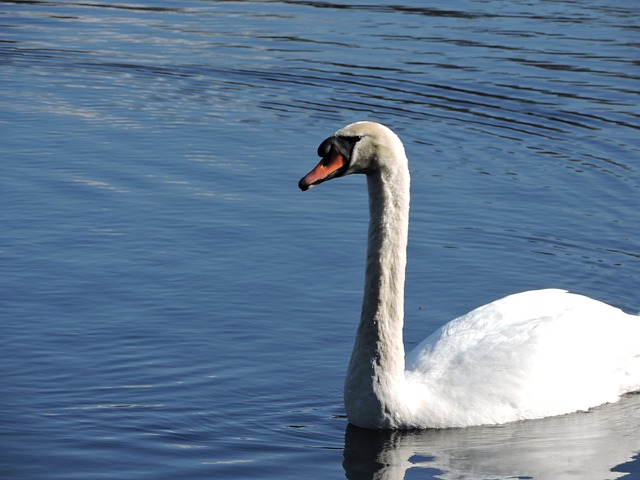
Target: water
[(173, 307)]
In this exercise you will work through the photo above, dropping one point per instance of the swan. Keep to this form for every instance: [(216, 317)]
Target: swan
[(529, 355)]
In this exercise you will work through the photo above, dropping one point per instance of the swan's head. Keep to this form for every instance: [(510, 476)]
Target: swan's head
[(362, 147)]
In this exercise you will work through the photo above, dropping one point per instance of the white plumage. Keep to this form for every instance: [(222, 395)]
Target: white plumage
[(530, 355)]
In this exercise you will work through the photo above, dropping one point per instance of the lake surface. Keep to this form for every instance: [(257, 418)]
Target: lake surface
[(172, 306)]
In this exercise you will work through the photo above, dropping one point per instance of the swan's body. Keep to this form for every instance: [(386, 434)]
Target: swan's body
[(529, 355)]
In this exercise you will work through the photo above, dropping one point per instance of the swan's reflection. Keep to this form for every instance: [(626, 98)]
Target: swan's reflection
[(582, 446)]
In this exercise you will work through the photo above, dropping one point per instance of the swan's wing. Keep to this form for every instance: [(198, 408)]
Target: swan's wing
[(544, 352)]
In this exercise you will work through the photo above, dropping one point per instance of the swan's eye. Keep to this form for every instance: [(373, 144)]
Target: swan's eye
[(345, 145)]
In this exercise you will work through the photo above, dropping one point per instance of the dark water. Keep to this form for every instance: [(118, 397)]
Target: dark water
[(171, 306)]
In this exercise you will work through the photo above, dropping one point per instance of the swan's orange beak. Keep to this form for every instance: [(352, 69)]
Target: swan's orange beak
[(330, 166)]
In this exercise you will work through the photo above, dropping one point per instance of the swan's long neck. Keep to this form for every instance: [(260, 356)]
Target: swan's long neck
[(376, 372)]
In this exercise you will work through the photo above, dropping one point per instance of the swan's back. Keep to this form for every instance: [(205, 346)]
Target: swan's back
[(529, 355)]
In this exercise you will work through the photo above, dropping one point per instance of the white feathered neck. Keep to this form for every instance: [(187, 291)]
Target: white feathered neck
[(375, 378)]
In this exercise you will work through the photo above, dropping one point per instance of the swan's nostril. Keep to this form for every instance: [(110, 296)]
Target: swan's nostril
[(332, 165)]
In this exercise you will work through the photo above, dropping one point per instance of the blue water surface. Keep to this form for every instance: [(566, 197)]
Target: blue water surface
[(171, 306)]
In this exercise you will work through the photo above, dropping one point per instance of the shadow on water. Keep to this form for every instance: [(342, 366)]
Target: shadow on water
[(594, 445)]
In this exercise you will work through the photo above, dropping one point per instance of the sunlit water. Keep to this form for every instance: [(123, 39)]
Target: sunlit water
[(171, 306)]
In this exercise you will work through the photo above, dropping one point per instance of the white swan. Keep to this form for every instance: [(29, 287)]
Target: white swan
[(529, 355)]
